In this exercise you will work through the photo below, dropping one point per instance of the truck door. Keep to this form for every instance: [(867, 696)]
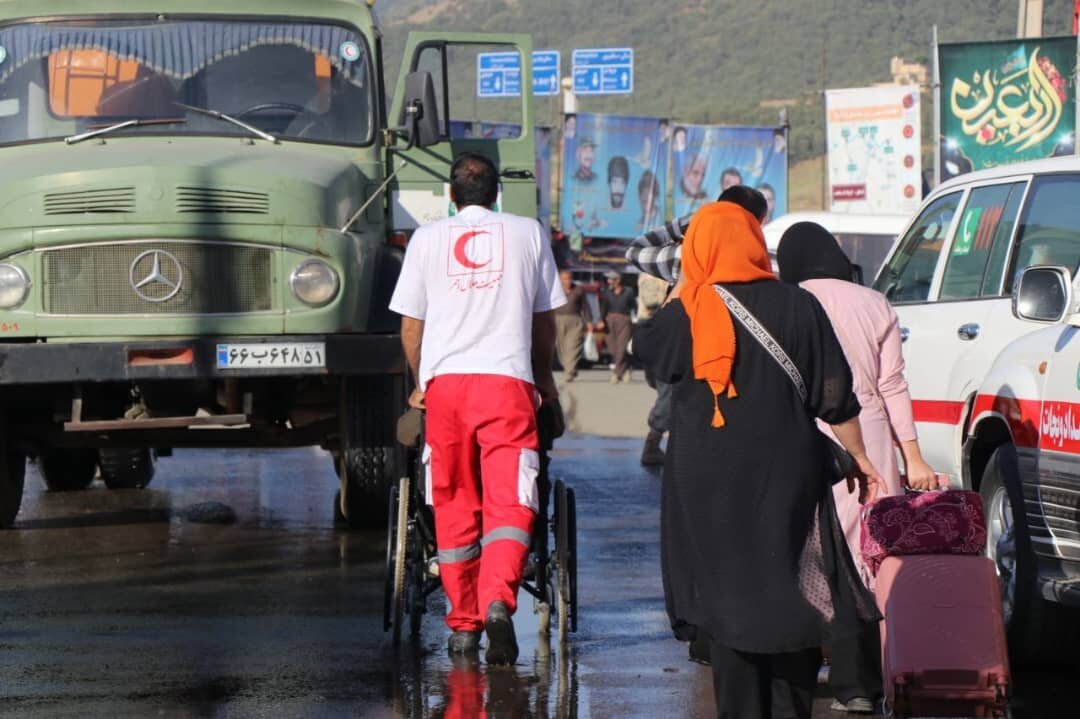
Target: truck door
[(500, 127)]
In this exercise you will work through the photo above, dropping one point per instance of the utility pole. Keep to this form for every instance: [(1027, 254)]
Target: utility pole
[(1029, 21)]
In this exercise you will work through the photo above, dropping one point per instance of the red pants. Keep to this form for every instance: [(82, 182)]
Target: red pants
[(482, 468)]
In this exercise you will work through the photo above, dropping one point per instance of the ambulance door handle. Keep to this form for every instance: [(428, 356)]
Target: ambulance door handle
[(968, 332), (904, 334)]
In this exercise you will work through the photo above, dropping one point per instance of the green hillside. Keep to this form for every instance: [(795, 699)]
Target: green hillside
[(718, 61)]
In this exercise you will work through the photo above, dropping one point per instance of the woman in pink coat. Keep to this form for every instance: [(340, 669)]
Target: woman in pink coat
[(869, 333)]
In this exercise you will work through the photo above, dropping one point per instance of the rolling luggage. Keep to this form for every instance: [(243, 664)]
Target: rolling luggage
[(943, 636)]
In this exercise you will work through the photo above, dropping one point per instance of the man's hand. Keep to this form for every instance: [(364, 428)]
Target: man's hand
[(868, 478), (546, 387), (416, 399)]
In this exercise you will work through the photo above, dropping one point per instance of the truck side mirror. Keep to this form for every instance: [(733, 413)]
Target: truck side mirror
[(1043, 294), (420, 113)]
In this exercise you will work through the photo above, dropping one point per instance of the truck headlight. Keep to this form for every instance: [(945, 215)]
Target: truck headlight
[(14, 286), (314, 283)]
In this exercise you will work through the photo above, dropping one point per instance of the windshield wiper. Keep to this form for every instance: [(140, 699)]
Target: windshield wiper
[(229, 119), (136, 122)]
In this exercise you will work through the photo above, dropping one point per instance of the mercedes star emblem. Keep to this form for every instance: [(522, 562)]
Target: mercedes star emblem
[(161, 280)]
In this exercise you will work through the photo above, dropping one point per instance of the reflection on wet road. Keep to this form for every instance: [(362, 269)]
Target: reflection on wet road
[(225, 590)]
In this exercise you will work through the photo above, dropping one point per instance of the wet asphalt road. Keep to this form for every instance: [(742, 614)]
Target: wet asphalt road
[(137, 604)]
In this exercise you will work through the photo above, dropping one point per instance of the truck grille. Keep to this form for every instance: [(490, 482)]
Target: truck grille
[(191, 278)]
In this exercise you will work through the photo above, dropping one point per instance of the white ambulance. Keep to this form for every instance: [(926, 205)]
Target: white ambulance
[(989, 260)]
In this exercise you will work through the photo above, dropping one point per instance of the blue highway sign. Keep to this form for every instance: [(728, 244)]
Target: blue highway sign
[(498, 74), (605, 71), (546, 71)]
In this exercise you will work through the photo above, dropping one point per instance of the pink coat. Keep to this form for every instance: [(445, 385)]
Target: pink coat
[(869, 332)]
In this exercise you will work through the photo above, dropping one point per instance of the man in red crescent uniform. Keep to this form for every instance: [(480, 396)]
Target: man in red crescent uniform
[(476, 295)]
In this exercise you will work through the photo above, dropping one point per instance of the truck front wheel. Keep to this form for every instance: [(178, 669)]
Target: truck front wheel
[(126, 468), (368, 459), (12, 478), (67, 469)]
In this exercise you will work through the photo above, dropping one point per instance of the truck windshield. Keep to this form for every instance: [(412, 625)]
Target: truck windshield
[(298, 81)]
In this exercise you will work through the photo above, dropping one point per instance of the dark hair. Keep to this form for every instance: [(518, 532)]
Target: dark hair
[(767, 186), (473, 180), (618, 167), (732, 171), (649, 182), (747, 198)]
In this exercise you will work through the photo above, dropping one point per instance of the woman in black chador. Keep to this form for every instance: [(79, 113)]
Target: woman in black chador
[(754, 559)]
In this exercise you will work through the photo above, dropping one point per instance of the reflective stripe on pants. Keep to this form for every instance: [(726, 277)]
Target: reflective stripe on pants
[(481, 430)]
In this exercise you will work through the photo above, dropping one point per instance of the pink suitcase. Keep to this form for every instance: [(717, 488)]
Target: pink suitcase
[(943, 636)]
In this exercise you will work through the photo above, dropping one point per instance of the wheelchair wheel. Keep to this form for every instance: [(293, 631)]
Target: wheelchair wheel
[(397, 543), (565, 559)]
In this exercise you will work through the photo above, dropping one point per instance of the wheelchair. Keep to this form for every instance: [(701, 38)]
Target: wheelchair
[(412, 565)]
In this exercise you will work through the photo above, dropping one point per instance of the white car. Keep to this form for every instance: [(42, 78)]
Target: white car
[(992, 396), (865, 239)]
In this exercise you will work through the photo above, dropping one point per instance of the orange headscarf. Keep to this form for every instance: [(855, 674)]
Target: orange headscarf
[(724, 244)]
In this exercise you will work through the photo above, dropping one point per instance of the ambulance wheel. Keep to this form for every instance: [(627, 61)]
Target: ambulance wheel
[(12, 479), (565, 560), (126, 468), (67, 469), (368, 457), (1038, 631)]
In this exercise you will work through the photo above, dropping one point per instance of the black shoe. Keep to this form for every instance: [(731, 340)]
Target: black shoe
[(463, 642), (502, 643), (699, 651)]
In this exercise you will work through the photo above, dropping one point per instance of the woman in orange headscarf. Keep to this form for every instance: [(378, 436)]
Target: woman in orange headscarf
[(753, 556)]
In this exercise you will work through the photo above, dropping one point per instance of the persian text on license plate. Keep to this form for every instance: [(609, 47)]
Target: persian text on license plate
[(271, 355)]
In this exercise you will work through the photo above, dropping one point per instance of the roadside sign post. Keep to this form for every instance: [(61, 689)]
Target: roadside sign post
[(498, 74), (604, 71)]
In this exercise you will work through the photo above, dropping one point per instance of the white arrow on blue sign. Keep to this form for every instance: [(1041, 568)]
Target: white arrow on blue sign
[(498, 74), (604, 71)]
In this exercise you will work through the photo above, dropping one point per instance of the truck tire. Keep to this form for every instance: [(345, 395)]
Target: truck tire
[(67, 469), (12, 479), (126, 468), (1038, 631), (368, 454)]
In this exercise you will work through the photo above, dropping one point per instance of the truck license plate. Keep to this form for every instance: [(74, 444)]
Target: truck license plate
[(271, 355)]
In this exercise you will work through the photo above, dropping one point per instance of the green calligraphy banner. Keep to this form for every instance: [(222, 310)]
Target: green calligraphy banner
[(1005, 102)]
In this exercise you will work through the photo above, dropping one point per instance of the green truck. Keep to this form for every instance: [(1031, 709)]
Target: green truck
[(203, 209)]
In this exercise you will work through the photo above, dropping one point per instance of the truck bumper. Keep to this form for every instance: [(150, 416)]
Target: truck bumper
[(59, 362)]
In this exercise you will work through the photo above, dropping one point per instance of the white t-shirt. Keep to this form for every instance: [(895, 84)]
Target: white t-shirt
[(476, 279)]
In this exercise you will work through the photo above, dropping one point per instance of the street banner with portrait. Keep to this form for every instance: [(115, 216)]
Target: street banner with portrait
[(707, 160), (1005, 102), (874, 155), (613, 176)]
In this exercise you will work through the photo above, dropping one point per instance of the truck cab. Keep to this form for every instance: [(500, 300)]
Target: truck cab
[(203, 214)]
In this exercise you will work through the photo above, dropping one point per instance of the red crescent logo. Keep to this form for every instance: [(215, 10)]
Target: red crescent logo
[(459, 251)]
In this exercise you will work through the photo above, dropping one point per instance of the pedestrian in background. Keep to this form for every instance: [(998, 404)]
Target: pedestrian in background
[(869, 333), (479, 338), (752, 553), (652, 292), (616, 307), (570, 326)]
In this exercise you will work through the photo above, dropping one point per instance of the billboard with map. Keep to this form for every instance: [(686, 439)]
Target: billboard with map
[(1005, 102), (874, 156)]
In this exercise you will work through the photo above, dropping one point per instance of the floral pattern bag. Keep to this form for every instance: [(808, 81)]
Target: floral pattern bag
[(945, 522)]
